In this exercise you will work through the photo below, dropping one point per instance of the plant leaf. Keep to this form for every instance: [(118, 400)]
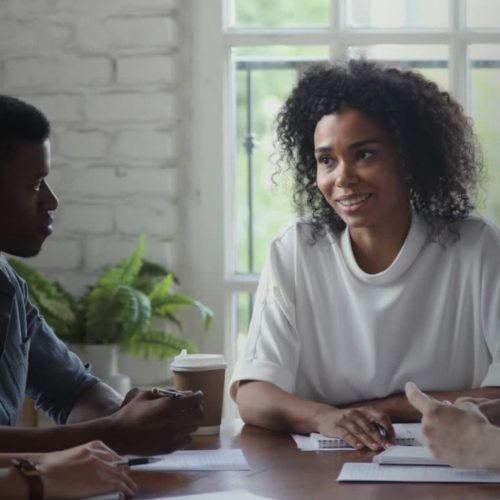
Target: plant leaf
[(118, 315), (149, 275), (161, 289), (56, 306), (161, 344), (126, 271), (175, 302), (207, 315)]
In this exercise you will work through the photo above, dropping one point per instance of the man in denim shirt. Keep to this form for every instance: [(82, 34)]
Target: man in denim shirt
[(33, 361), (27, 341)]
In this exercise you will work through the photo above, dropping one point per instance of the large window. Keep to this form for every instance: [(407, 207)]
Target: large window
[(258, 48)]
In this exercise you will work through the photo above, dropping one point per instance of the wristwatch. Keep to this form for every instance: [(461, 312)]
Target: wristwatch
[(33, 476)]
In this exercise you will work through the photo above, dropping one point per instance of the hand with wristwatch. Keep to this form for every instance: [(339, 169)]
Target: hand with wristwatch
[(85, 470)]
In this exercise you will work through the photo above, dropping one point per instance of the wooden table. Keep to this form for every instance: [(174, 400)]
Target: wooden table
[(279, 470)]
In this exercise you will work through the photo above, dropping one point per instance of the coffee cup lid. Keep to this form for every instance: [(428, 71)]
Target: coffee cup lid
[(189, 362)]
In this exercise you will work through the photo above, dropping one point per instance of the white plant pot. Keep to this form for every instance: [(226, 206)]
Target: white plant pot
[(103, 359), (145, 372)]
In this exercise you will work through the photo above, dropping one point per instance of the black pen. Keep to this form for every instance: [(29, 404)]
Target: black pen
[(382, 431), (130, 462)]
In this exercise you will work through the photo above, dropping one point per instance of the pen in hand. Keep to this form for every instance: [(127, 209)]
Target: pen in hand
[(130, 462), (382, 431), (175, 394), (169, 393)]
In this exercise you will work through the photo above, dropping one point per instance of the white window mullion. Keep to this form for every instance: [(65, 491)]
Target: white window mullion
[(200, 183), (229, 194), (338, 46), (458, 52), (292, 36)]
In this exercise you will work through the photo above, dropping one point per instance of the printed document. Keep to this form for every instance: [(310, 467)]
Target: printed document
[(221, 459), (414, 474)]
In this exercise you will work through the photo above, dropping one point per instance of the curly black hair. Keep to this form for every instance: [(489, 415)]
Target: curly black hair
[(439, 157), (20, 122)]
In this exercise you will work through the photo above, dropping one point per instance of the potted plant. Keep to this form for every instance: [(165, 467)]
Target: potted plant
[(132, 306)]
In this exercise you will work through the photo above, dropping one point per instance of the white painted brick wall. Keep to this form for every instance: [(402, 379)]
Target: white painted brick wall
[(26, 36), (147, 69), (125, 108), (161, 218), (60, 107), (98, 8), (146, 145), (86, 219), (75, 144), (107, 74), (99, 253), (128, 34), (119, 184), (57, 73)]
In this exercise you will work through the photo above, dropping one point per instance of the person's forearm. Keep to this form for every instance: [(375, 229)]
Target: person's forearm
[(41, 439), (6, 458), (88, 421), (98, 401), (265, 405), (400, 410)]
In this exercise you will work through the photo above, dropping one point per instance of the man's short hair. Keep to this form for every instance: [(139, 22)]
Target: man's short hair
[(20, 122)]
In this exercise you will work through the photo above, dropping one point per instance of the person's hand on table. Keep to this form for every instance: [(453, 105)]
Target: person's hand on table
[(82, 471), (149, 422), (490, 408), (459, 433), (357, 426)]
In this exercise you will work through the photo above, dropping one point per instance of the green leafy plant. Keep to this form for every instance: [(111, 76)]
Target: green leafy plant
[(132, 304)]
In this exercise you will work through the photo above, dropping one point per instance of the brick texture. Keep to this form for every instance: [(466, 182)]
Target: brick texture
[(107, 75)]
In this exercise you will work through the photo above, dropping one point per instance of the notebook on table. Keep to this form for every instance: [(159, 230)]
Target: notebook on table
[(371, 472), (407, 455), (406, 435)]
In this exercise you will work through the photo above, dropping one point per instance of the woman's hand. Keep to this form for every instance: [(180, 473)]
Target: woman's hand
[(356, 426), (82, 471)]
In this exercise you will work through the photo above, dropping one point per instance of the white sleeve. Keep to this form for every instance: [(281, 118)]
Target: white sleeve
[(490, 303), (272, 349)]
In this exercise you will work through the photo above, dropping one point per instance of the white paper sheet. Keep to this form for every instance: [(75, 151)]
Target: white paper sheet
[(407, 455), (116, 495), (199, 460), (217, 495), (414, 474)]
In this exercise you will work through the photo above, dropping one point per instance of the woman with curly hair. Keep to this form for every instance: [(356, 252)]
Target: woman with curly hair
[(388, 277)]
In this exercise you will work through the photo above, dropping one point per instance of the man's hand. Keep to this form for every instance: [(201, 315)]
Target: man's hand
[(148, 423), (457, 434), (490, 408)]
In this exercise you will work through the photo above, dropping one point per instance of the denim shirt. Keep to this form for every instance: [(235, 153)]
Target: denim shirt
[(33, 361)]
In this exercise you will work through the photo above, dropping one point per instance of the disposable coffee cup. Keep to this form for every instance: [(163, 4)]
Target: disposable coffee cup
[(202, 372)]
